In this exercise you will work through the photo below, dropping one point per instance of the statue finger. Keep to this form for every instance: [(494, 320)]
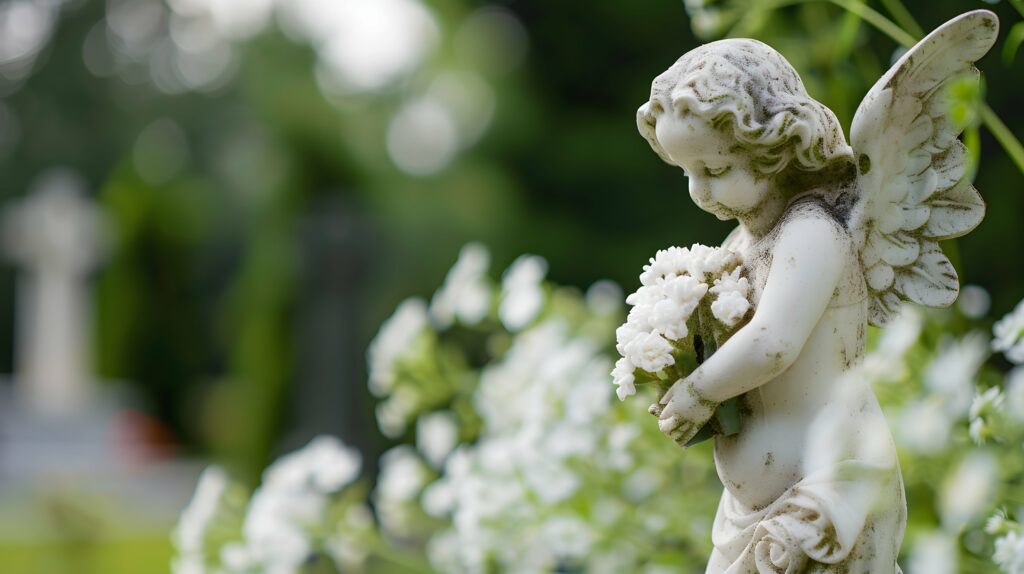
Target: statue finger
[(682, 434), (667, 425), (671, 392), (672, 409)]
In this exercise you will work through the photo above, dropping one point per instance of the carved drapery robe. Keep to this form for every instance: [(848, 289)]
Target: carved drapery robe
[(846, 518)]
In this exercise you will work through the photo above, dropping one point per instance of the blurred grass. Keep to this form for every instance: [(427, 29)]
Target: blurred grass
[(142, 555)]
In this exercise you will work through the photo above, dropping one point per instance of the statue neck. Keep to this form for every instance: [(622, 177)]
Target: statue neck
[(762, 219)]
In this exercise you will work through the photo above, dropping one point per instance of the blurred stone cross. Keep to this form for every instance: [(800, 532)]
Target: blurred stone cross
[(55, 234)]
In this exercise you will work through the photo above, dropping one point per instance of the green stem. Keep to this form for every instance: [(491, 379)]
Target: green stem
[(868, 14), (379, 549), (744, 28), (904, 18), (873, 17), (972, 139), (1018, 5), (1004, 136), (846, 38)]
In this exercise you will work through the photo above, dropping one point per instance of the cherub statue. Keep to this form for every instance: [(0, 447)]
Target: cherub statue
[(832, 238)]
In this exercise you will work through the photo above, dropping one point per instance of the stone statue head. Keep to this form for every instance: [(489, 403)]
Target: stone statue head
[(749, 91)]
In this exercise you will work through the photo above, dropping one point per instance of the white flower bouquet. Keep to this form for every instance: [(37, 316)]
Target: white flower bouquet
[(675, 325)]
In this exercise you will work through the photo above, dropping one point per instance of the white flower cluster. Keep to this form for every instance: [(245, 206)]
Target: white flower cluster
[(672, 287), (985, 408), (292, 499), (552, 482), (1014, 385), (287, 517), (732, 304), (968, 489), (402, 476), (393, 339), (543, 409), (407, 369), (437, 435), (525, 453), (523, 293), (934, 553), (1009, 335), (1009, 546), (197, 520), (465, 295), (927, 420), (707, 19), (887, 361), (1009, 552)]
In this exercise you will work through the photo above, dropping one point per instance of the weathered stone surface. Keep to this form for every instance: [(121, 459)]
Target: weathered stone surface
[(833, 237)]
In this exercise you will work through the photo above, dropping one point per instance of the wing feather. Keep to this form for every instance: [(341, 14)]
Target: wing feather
[(930, 280), (957, 211), (899, 249), (885, 308), (915, 216), (911, 184), (949, 165), (919, 188)]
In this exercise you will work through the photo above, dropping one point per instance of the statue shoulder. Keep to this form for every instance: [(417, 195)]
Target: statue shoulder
[(816, 224), (814, 218)]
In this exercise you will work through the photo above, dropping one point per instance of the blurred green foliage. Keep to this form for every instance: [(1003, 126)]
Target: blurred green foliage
[(276, 234)]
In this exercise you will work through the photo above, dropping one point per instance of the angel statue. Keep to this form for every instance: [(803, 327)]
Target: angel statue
[(831, 237)]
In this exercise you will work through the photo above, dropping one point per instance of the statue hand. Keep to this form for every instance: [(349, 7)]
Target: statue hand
[(683, 411)]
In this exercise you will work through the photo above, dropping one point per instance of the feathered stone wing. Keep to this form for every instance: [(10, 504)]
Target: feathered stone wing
[(911, 184)]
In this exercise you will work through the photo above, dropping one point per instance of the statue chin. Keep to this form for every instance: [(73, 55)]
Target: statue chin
[(720, 212)]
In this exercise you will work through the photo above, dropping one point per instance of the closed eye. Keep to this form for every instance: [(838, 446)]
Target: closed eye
[(716, 171)]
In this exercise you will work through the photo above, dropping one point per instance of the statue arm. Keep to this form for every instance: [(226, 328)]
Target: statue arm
[(806, 266)]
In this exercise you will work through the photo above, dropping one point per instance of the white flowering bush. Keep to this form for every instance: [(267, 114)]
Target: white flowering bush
[(689, 302), (511, 453), (540, 490), (522, 461), (425, 356), (562, 477)]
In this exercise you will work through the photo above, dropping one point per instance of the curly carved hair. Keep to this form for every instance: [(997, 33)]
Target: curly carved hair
[(749, 86)]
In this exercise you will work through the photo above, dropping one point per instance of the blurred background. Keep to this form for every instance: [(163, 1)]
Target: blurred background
[(212, 205)]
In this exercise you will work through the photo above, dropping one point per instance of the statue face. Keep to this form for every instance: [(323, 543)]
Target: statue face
[(723, 181)]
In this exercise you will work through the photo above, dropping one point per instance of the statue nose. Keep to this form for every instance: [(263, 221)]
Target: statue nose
[(658, 106), (647, 122), (652, 108)]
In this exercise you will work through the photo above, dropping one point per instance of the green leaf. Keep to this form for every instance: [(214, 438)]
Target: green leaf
[(641, 377), (1013, 41), (965, 98), (726, 421), (707, 431), (728, 416)]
